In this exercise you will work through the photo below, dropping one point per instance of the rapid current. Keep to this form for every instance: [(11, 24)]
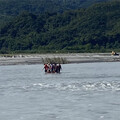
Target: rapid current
[(85, 91)]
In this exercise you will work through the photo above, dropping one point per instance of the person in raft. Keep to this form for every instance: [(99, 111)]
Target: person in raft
[(52, 68)]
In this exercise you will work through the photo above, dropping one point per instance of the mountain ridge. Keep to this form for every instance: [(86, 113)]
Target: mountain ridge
[(11, 8)]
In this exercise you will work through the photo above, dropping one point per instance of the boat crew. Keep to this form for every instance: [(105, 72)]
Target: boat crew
[(52, 68)]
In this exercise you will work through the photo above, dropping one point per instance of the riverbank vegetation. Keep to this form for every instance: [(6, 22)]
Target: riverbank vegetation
[(54, 60), (92, 29)]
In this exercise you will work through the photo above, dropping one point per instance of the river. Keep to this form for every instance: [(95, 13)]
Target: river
[(86, 91)]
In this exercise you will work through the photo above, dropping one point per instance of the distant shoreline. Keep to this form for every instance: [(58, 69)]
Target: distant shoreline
[(70, 57)]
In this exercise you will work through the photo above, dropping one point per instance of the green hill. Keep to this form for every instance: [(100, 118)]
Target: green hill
[(94, 29), (14, 7), (11, 8)]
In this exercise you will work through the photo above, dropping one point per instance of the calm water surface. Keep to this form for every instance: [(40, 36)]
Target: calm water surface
[(88, 91)]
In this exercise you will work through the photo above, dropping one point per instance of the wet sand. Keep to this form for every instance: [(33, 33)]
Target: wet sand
[(70, 57)]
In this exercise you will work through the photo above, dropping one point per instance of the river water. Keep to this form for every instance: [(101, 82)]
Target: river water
[(86, 91)]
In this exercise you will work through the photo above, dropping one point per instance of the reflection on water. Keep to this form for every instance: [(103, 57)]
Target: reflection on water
[(88, 91)]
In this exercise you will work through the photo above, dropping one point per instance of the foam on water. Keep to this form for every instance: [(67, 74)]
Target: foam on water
[(84, 86)]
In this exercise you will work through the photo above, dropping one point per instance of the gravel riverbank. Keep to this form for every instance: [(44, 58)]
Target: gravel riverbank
[(70, 57)]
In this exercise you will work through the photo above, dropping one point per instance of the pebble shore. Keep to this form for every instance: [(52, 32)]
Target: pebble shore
[(70, 57)]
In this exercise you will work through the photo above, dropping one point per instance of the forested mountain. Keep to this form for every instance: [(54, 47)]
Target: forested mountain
[(96, 28), (14, 7), (11, 8)]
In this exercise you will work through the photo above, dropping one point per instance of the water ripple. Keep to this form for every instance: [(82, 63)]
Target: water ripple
[(86, 86), (75, 86)]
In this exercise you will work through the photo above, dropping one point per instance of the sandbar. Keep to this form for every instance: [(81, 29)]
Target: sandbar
[(70, 57)]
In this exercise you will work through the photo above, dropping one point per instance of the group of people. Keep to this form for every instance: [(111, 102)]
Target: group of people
[(52, 68)]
